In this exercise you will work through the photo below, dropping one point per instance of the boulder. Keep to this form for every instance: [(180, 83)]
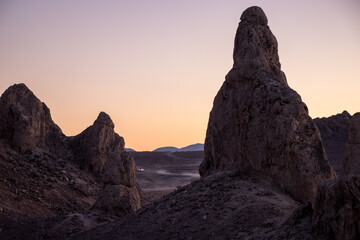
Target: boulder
[(94, 145), (351, 164), (120, 168), (118, 200), (258, 124), (25, 121)]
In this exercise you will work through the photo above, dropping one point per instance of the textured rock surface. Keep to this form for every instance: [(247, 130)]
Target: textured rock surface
[(118, 200), (94, 144), (258, 124), (121, 194), (120, 168), (351, 164), (25, 121), (334, 134), (337, 209)]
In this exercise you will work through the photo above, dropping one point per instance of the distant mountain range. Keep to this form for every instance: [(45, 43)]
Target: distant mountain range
[(190, 148)]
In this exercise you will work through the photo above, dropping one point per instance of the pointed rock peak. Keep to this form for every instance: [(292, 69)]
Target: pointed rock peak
[(255, 50), (105, 119), (20, 91), (19, 86), (254, 15), (346, 114)]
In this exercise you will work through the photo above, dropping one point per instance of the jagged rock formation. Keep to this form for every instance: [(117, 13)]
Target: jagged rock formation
[(40, 168), (260, 126), (120, 194), (25, 121), (337, 212), (334, 134), (96, 143)]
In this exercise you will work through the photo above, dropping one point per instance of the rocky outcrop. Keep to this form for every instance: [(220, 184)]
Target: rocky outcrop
[(337, 212), (96, 143), (118, 200), (351, 165), (25, 121), (259, 125), (120, 169), (334, 134), (337, 208), (26, 124), (120, 194), (101, 151)]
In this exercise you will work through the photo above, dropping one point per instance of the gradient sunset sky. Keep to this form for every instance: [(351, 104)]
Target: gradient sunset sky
[(155, 66)]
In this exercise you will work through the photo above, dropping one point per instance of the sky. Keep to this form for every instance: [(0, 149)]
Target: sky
[(155, 66)]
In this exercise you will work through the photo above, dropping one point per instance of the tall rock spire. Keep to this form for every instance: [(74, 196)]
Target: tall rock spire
[(258, 124)]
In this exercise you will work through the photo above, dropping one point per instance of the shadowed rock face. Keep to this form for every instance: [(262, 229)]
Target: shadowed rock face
[(336, 212), (25, 121), (351, 165), (120, 168), (96, 143), (260, 126), (334, 134)]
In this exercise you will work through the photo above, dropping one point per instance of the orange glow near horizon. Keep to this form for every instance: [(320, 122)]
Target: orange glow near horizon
[(156, 66)]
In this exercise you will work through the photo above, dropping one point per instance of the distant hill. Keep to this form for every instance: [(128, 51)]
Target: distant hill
[(193, 147), (166, 149), (190, 148), (130, 150)]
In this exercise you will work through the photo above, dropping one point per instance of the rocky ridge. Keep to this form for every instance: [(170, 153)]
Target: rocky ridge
[(25, 121)]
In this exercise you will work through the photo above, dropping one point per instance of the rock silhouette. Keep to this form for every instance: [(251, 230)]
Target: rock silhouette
[(120, 194), (259, 125), (25, 121), (96, 143)]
